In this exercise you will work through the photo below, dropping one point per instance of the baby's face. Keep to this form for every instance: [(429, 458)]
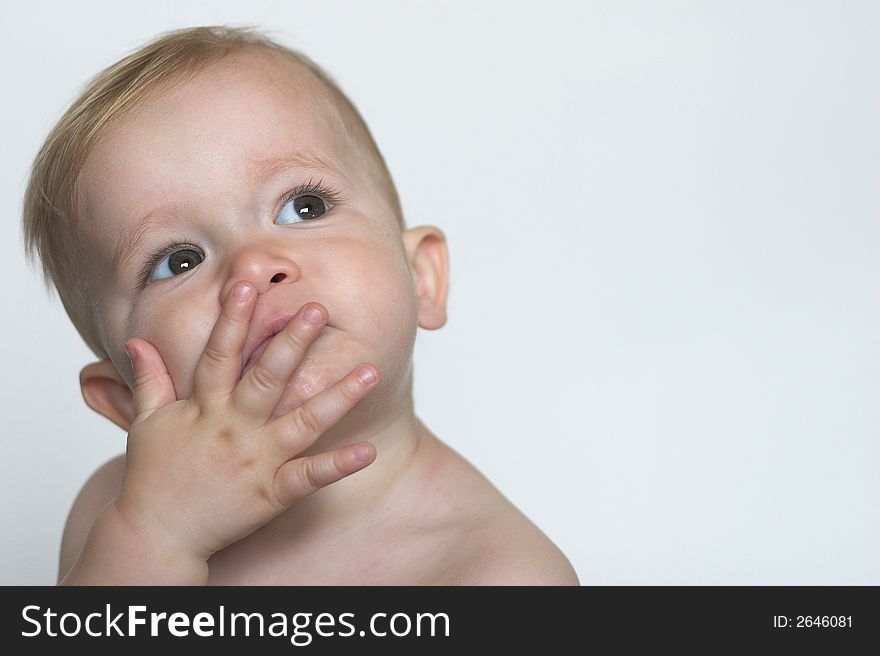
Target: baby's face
[(211, 163)]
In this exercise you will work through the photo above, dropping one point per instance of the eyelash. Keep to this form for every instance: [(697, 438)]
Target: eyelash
[(315, 188)]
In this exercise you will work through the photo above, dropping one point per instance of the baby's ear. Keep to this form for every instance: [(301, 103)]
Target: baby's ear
[(429, 261), (105, 392)]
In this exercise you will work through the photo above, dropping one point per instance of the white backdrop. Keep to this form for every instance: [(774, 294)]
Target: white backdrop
[(691, 187)]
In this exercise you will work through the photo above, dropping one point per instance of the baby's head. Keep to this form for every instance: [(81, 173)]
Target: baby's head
[(214, 155)]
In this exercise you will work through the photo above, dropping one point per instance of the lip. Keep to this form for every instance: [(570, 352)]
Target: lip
[(261, 342)]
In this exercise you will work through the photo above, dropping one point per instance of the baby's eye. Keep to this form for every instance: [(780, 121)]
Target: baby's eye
[(302, 208), (175, 263)]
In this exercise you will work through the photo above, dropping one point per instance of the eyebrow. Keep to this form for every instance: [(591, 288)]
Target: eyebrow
[(263, 170)]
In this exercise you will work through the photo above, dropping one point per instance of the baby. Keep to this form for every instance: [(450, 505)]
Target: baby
[(215, 207)]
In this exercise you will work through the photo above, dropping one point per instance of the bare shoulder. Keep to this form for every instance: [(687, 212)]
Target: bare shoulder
[(101, 488), (488, 540), (512, 551)]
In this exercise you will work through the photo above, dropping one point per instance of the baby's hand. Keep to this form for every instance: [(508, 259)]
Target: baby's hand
[(204, 472)]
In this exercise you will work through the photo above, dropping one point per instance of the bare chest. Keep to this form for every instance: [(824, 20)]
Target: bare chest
[(414, 558)]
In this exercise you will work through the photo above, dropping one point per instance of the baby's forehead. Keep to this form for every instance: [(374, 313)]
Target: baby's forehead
[(240, 111), (269, 69), (261, 80), (267, 101)]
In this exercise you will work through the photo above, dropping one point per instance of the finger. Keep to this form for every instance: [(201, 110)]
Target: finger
[(153, 387), (263, 384), (299, 428), (301, 476), (219, 367)]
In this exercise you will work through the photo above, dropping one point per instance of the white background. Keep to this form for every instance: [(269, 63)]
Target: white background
[(663, 224)]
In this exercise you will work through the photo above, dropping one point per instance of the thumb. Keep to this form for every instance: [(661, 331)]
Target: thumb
[(153, 387)]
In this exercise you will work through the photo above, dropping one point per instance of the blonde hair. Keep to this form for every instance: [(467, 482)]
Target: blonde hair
[(51, 225)]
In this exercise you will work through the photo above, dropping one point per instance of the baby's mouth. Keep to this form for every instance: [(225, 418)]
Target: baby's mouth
[(269, 331), (262, 346), (255, 355)]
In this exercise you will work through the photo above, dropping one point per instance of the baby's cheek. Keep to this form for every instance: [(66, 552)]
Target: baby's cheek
[(386, 323), (386, 309), (180, 337)]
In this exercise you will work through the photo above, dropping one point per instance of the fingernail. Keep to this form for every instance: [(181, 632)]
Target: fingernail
[(362, 453), (366, 375), (242, 291), (313, 315)]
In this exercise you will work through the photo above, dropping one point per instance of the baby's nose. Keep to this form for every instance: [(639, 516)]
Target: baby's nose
[(262, 269)]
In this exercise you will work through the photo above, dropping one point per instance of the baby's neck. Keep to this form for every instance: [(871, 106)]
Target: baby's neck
[(360, 516), (401, 440)]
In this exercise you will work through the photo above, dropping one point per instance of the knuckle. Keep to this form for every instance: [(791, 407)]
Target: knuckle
[(305, 477), (194, 410), (262, 379), (226, 435), (338, 464), (307, 420), (351, 390), (247, 465), (294, 340), (270, 498), (142, 379), (214, 353), (312, 474)]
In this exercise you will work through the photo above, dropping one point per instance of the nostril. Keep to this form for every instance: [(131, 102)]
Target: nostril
[(278, 277)]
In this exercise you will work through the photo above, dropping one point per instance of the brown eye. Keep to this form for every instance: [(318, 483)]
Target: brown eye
[(183, 260), (176, 263), (302, 208)]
